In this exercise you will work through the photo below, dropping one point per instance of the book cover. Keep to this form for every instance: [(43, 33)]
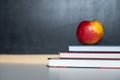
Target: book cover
[(83, 63), (91, 55), (93, 48)]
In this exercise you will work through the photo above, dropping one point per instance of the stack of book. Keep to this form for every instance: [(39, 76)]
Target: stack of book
[(88, 57)]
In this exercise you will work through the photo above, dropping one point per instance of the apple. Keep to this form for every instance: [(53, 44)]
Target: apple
[(90, 32)]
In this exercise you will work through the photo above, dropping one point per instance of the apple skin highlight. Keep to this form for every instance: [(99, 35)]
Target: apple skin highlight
[(90, 32)]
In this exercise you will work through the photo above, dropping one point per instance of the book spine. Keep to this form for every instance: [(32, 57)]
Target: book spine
[(94, 48), (90, 58), (83, 67)]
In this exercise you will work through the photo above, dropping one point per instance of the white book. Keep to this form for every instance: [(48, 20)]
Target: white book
[(97, 48), (83, 63), (90, 55)]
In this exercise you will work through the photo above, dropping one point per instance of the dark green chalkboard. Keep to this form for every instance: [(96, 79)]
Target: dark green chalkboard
[(49, 26)]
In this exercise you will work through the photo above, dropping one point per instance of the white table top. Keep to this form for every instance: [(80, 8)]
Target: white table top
[(41, 72)]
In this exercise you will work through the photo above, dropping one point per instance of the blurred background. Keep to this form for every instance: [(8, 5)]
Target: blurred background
[(49, 26)]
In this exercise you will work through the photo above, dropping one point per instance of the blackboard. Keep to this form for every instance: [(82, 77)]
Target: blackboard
[(49, 26)]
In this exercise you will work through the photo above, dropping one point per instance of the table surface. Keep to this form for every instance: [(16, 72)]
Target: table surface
[(42, 72), (33, 67)]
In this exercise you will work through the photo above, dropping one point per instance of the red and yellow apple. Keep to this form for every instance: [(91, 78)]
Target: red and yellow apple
[(90, 32)]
